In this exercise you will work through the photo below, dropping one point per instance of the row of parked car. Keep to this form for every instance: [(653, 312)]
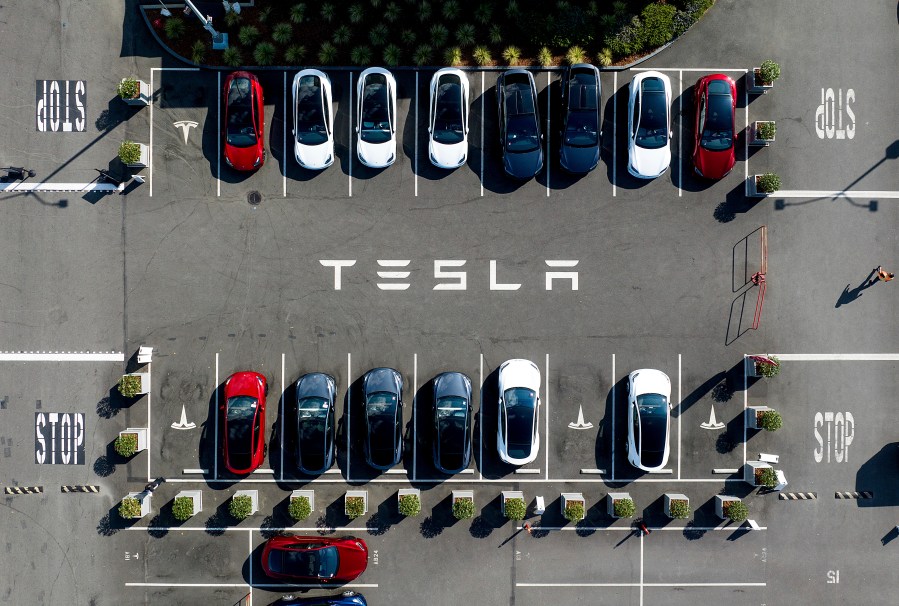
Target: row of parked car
[(517, 434), (521, 137)]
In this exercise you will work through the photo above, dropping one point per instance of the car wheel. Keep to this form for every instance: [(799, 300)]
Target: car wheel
[(264, 450), (287, 597), (348, 594), (266, 388)]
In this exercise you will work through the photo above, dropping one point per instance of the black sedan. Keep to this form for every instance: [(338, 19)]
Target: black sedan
[(519, 123), (316, 395), (452, 422), (383, 398), (581, 133)]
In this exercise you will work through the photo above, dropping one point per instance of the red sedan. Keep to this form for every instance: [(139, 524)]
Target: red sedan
[(315, 558), (715, 98), (244, 122), (244, 414)]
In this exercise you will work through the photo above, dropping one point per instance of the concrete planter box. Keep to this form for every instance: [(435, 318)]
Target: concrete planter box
[(144, 381), (755, 139), (616, 496), (511, 494), (752, 416), (463, 494), (671, 496), (751, 370), (750, 469), (754, 192), (143, 97), (196, 497), (309, 494), (144, 499), (720, 500), (574, 497), (144, 160), (141, 433), (363, 494), (254, 498), (406, 492), (754, 85)]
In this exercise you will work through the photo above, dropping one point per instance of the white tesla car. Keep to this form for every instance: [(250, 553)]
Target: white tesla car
[(649, 125), (313, 120), (376, 118), (448, 119), (517, 438), (648, 419)]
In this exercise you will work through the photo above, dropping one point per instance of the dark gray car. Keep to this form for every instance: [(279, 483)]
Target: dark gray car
[(452, 422), (581, 132), (519, 123), (316, 395), (382, 390)]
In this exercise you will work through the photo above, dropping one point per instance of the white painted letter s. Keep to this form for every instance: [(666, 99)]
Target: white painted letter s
[(819, 452)]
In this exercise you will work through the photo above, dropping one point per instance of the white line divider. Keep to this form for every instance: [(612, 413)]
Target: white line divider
[(837, 357), (813, 193), (546, 393), (483, 94), (415, 158), (349, 403), (349, 149), (690, 69), (218, 142), (149, 416), (680, 156), (414, 378), (582, 480), (746, 140), (250, 558), (60, 356), (615, 380), (614, 189), (215, 457), (548, 136), (641, 585), (284, 140), (679, 402), (282, 401), (642, 536), (250, 587), (152, 86), (18, 187), (481, 362)]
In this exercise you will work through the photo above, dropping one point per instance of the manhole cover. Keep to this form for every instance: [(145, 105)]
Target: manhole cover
[(254, 198)]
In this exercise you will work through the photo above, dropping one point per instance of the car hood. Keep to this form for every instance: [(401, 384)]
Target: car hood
[(382, 379), (315, 385), (243, 158), (519, 373), (448, 156), (452, 384), (377, 155), (579, 159), (648, 380), (314, 157), (650, 163), (523, 166), (714, 164), (353, 561)]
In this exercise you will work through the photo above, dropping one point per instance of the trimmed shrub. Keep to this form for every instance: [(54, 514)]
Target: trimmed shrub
[(736, 511), (451, 10), (128, 88), (605, 57), (183, 508), (392, 12), (463, 509), (496, 34), (658, 24), (248, 35), (357, 14), (129, 385), (481, 55), (515, 509), (354, 507), (407, 37), (264, 53), (484, 13), (126, 444), (511, 55), (232, 19), (328, 12), (574, 511), (392, 55), (544, 57), (513, 11), (198, 51), (342, 35), (766, 130), (768, 183), (361, 55), (264, 14), (624, 508), (626, 39), (424, 11), (768, 477), (299, 508), (452, 56), (174, 28), (771, 420), (575, 54), (298, 13), (241, 506), (129, 508), (769, 71), (422, 54), (282, 33), (410, 505), (439, 35), (378, 34), (679, 509), (465, 34), (232, 56), (295, 54), (327, 53)]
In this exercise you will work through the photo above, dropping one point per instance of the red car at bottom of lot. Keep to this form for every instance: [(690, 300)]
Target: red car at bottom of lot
[(315, 558), (244, 421)]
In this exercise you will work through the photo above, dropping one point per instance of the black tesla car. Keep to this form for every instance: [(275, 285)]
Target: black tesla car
[(519, 123), (316, 394), (383, 399), (452, 422), (581, 132)]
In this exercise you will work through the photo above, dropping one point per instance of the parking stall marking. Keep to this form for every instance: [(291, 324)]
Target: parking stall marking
[(546, 393), (282, 413), (481, 376), (680, 161), (548, 140), (215, 457), (415, 158), (59, 356), (414, 405), (614, 194), (349, 148), (218, 143), (284, 150), (483, 94), (679, 401), (614, 381)]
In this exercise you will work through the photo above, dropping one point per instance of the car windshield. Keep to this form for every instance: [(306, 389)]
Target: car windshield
[(521, 405), (240, 412), (448, 111), (375, 127), (653, 409), (321, 563), (717, 133), (310, 117), (312, 413), (451, 407), (240, 129), (582, 127), (652, 128)]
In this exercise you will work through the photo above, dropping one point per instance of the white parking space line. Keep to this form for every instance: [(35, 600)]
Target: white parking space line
[(680, 157), (745, 406), (349, 407), (284, 148), (61, 187), (548, 156), (481, 363), (641, 585), (282, 403), (679, 401), (414, 392), (483, 94), (746, 140), (250, 558), (546, 393), (415, 159), (834, 194), (312, 585), (727, 471), (200, 585), (592, 471), (349, 148), (582, 480), (215, 452), (691, 69), (218, 154), (614, 380), (58, 356), (642, 536), (838, 357), (194, 471), (614, 193), (526, 471), (149, 416), (150, 170)]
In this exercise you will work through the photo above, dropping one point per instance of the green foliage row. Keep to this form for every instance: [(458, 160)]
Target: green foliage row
[(737, 511)]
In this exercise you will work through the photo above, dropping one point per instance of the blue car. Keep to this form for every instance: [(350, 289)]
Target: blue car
[(347, 598)]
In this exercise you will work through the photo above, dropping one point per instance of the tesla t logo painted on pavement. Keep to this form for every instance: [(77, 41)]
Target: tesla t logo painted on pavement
[(185, 126)]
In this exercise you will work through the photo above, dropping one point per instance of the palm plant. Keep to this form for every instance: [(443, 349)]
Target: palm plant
[(575, 54), (378, 34), (264, 53), (465, 34), (452, 56), (605, 57), (439, 34), (198, 51), (451, 10), (484, 13), (544, 57), (512, 9), (424, 10), (282, 33), (248, 35), (361, 55), (481, 55), (174, 28), (232, 19), (592, 9), (376, 3), (298, 12), (327, 53), (263, 14), (407, 37), (356, 13), (392, 55), (232, 57), (511, 55), (496, 34), (328, 11), (295, 54), (342, 35), (422, 54), (392, 12)]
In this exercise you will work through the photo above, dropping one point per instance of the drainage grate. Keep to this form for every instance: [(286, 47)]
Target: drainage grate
[(254, 198)]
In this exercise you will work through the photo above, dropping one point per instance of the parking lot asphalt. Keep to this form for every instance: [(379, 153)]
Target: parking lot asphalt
[(663, 269)]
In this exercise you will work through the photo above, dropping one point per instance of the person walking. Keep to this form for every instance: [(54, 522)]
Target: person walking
[(883, 275), (149, 488)]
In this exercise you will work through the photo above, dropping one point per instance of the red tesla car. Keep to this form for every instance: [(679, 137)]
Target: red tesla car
[(715, 98), (244, 414), (244, 122), (315, 558)]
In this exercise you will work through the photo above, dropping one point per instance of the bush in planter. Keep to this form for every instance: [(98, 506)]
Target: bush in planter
[(574, 511), (767, 183), (515, 509), (767, 477), (679, 509), (463, 509), (183, 508), (128, 88), (625, 508), (126, 444), (241, 506), (174, 28), (736, 511), (769, 71), (354, 507), (770, 420), (766, 130), (129, 508), (764, 368), (410, 505), (299, 508), (129, 153)]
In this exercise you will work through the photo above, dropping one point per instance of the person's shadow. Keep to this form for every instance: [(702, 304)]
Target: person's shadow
[(848, 296)]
